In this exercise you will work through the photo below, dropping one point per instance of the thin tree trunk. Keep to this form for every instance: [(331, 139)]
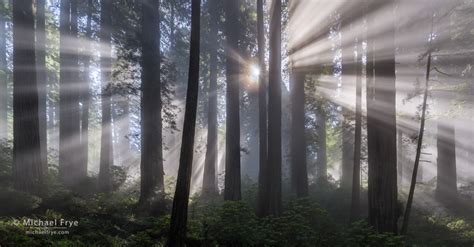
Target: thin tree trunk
[(179, 214), (210, 163), (298, 143), (419, 146), (151, 166), (27, 167), (232, 190), (347, 151), (355, 199), (3, 75), (262, 109), (272, 202), (321, 162), (86, 94), (106, 147), (41, 79)]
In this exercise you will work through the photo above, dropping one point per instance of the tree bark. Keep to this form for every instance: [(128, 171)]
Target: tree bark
[(272, 187), (348, 82), (347, 151), (179, 215), (262, 109), (382, 135), (41, 79), (151, 165), (106, 147), (27, 167), (69, 116), (298, 143), (85, 96), (446, 183), (355, 199), (232, 185), (3, 75), (400, 158), (210, 163), (321, 161)]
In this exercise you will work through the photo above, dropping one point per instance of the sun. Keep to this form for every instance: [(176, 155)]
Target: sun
[(254, 72)]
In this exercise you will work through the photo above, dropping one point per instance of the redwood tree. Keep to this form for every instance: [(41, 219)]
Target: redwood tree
[(41, 78), (271, 189), (27, 167), (232, 190), (446, 183), (382, 133), (3, 73), (210, 163), (151, 166), (106, 148), (299, 170), (179, 214)]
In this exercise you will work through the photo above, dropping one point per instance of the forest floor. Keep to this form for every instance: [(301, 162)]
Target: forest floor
[(319, 220)]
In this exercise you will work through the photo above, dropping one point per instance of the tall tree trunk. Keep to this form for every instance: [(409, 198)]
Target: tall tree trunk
[(179, 212), (151, 166), (69, 123), (348, 82), (232, 190), (272, 187), (321, 162), (298, 143), (446, 183), (382, 135), (27, 167), (41, 79), (3, 74), (355, 199), (106, 147), (262, 110), (209, 181), (85, 89)]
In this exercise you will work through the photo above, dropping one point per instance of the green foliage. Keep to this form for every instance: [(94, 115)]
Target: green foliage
[(361, 234), (16, 202), (235, 224), (6, 160), (303, 223)]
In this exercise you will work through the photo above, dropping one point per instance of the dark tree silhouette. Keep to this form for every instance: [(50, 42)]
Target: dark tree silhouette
[(41, 78), (271, 204), (27, 167), (3, 74), (69, 116), (382, 133), (298, 143), (106, 147), (179, 214), (232, 190), (151, 166), (210, 163), (262, 109)]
